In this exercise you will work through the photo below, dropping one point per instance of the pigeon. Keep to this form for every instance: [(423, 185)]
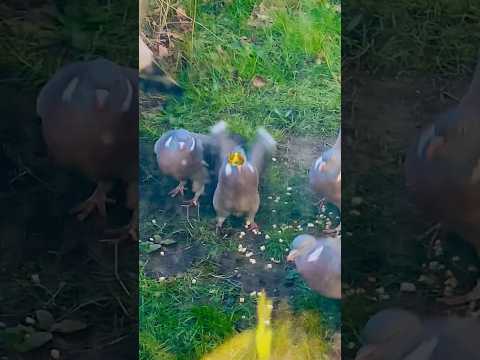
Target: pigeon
[(326, 172), (180, 154), (443, 171), (89, 113), (237, 190), (397, 334), (319, 261)]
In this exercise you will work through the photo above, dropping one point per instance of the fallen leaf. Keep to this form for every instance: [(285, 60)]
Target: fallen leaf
[(68, 326), (45, 319), (259, 82)]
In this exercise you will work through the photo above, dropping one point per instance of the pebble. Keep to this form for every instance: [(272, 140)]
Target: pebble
[(242, 300), (55, 354), (269, 266), (407, 287), (253, 261), (262, 248), (29, 320)]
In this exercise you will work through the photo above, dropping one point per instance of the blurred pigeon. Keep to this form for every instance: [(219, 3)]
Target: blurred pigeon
[(326, 174), (180, 154), (89, 114), (238, 179), (397, 334), (443, 171), (319, 261)]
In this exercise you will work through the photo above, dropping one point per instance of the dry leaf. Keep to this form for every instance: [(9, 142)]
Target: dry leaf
[(259, 82)]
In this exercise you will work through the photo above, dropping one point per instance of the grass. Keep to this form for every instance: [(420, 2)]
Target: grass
[(297, 55), (36, 43), (415, 36)]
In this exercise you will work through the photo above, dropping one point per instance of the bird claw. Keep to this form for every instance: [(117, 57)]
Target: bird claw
[(178, 190), (191, 203), (253, 227), (97, 200)]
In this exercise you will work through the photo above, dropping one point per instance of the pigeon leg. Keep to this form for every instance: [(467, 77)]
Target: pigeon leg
[(251, 225), (198, 190), (178, 190), (220, 221), (129, 231), (97, 200), (473, 295)]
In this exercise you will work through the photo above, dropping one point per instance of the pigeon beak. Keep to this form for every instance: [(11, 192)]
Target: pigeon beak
[(292, 255)]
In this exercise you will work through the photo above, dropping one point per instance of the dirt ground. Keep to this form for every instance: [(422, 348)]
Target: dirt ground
[(183, 254), (384, 243)]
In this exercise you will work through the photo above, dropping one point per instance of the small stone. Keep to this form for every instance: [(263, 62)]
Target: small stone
[(262, 248), (162, 253), (154, 222), (253, 261), (55, 354), (280, 240), (289, 188), (372, 279), (456, 258), (36, 279), (380, 290), (194, 281), (249, 254), (29, 320), (242, 300), (407, 287), (310, 225), (351, 345), (253, 293), (269, 266), (274, 211), (162, 278), (274, 159), (267, 236)]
